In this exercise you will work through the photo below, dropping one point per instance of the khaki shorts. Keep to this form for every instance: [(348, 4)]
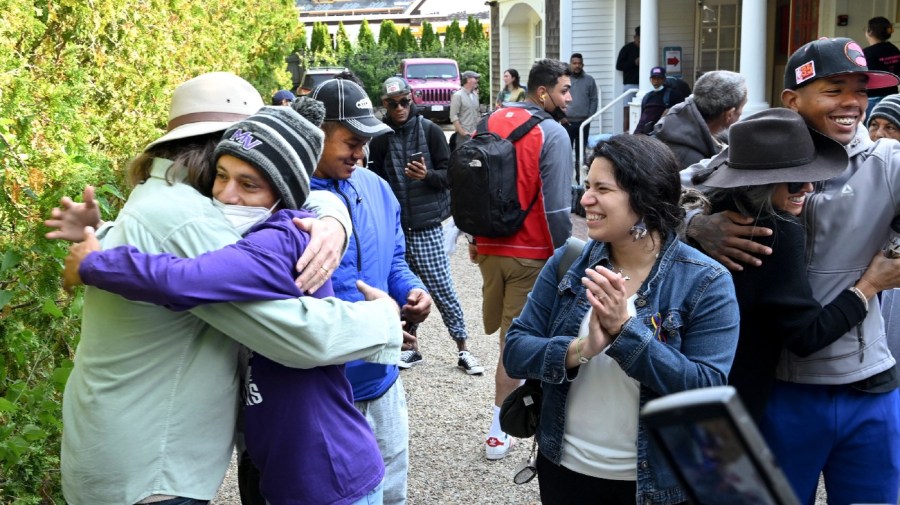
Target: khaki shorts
[(506, 283)]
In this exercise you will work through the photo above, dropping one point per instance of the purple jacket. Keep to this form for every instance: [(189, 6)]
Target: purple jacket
[(302, 431)]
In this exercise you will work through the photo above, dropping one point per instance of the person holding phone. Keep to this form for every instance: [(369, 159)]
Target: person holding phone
[(414, 162)]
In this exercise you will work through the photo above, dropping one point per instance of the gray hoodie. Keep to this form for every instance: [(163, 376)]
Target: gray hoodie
[(848, 221), (684, 130)]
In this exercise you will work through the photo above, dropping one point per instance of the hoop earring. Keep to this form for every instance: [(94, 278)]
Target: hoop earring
[(639, 230)]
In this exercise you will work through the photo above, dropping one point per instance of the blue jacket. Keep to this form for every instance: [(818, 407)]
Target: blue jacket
[(695, 297), (376, 254)]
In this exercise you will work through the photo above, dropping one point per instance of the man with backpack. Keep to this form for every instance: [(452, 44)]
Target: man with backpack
[(510, 263), (414, 163), (657, 101)]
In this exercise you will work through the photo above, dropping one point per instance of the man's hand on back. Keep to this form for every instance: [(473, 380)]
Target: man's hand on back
[(720, 236)]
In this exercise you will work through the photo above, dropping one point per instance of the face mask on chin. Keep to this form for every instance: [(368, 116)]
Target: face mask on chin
[(242, 217), (657, 88), (557, 113)]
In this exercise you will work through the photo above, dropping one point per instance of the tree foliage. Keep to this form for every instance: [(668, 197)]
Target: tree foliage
[(387, 36), (342, 42), (366, 39), (430, 41), (84, 86), (453, 36), (474, 31), (408, 42)]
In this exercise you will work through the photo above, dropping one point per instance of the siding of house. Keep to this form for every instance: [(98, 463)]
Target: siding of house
[(676, 28), (593, 35), (521, 49)]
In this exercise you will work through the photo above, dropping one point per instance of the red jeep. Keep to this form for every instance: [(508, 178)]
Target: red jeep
[(433, 81)]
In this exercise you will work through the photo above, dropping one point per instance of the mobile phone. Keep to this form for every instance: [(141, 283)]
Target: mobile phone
[(715, 450), (416, 157)]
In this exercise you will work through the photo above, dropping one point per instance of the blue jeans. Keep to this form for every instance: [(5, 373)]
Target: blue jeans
[(182, 501), (375, 497), (851, 437)]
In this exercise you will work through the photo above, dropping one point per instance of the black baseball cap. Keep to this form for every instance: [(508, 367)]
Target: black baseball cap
[(827, 57), (348, 104)]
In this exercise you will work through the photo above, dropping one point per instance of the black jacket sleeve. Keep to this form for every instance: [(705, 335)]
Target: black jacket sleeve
[(784, 298), (439, 150)]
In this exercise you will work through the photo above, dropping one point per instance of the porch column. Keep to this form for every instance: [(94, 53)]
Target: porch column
[(753, 55), (649, 55)]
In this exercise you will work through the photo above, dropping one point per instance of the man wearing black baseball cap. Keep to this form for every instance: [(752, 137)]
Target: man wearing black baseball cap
[(376, 254), (835, 412)]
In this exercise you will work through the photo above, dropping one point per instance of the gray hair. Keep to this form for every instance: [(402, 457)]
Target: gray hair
[(717, 91), (748, 200)]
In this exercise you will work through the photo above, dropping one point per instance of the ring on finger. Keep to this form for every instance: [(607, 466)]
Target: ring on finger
[(324, 269)]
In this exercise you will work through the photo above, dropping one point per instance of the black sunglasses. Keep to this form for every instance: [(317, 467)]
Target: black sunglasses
[(795, 187), (401, 103)]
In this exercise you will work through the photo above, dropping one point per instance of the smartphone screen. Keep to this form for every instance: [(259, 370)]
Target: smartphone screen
[(715, 450)]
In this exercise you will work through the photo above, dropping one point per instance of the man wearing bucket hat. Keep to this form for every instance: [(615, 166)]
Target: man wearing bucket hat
[(414, 162), (150, 407), (376, 255), (837, 411)]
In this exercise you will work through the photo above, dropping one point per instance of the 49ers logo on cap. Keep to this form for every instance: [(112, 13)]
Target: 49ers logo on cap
[(805, 72), (855, 54)]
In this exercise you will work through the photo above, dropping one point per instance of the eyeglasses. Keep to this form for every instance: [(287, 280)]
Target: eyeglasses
[(795, 187), (393, 104)]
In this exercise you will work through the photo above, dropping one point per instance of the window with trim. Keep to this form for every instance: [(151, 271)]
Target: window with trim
[(719, 39), (539, 40)]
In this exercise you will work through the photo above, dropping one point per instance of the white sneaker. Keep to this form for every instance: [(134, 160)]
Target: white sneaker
[(469, 363), (497, 448)]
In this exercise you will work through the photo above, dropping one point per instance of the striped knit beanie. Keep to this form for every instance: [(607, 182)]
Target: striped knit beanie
[(888, 108), (284, 143)]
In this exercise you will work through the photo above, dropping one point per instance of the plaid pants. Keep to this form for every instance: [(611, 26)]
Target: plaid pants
[(427, 259)]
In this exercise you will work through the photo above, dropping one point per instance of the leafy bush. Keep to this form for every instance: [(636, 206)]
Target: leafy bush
[(84, 87)]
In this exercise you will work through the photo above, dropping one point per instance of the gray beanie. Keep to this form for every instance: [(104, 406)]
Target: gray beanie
[(888, 108), (281, 143)]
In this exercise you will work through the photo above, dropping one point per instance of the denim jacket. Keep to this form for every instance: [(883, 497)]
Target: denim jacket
[(694, 297)]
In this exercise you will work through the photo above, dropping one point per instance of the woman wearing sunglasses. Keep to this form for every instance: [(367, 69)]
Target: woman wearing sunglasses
[(770, 165)]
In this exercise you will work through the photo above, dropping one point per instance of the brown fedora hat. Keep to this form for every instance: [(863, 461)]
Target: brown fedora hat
[(773, 146)]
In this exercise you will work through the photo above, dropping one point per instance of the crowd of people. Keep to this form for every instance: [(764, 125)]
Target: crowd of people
[(323, 226)]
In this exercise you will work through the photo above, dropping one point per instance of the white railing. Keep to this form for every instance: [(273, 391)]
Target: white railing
[(579, 151)]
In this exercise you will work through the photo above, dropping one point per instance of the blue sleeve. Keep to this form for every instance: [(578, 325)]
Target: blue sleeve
[(530, 351), (401, 280), (708, 333), (258, 267)]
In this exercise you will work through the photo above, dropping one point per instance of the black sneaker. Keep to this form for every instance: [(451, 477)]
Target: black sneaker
[(469, 363), (410, 358)]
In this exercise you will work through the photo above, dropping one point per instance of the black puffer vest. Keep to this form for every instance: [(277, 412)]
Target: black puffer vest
[(421, 206)]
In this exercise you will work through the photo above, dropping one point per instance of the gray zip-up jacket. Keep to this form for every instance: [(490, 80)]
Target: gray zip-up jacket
[(847, 221)]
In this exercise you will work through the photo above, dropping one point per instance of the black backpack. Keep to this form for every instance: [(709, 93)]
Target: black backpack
[(484, 200)]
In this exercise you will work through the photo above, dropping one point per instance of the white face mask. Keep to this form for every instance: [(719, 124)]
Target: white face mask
[(242, 217), (657, 88)]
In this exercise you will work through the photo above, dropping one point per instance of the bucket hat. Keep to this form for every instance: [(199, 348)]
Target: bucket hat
[(826, 57), (774, 146), (209, 103), (348, 104)]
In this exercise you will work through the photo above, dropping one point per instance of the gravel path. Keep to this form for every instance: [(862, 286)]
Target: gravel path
[(449, 414)]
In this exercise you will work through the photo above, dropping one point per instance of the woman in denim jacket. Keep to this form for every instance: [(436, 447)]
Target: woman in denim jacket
[(638, 315)]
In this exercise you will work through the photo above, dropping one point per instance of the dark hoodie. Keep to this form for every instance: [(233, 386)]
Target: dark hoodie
[(684, 130)]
